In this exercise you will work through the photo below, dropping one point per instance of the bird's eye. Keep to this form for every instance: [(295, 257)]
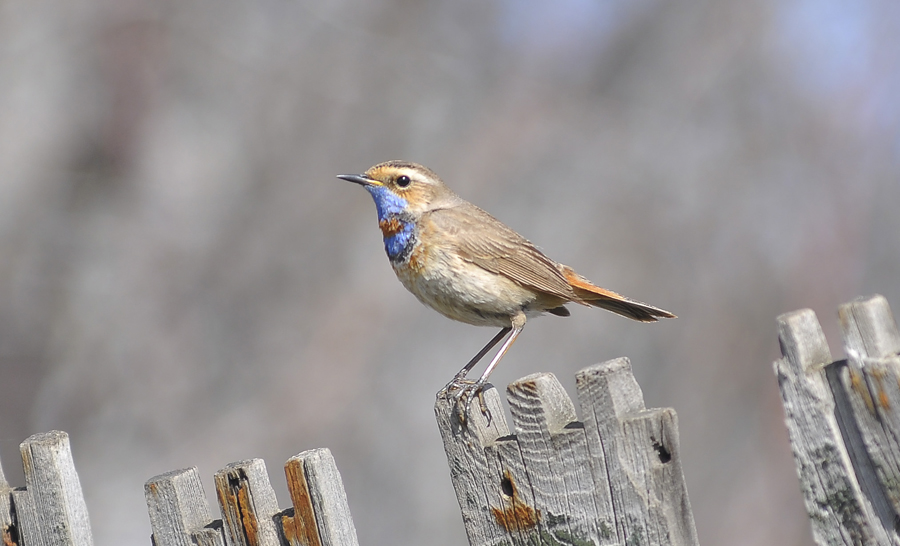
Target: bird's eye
[(403, 181)]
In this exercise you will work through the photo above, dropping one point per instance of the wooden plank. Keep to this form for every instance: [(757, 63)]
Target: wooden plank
[(554, 449), (871, 381), (53, 506), (616, 478), (9, 531), (499, 478), (604, 392), (869, 327), (637, 451), (478, 460), (321, 513), (26, 514), (210, 536), (514, 517), (299, 525), (248, 504), (651, 451), (179, 512), (820, 424)]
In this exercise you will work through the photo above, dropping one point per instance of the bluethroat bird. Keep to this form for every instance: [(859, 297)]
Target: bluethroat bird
[(467, 265)]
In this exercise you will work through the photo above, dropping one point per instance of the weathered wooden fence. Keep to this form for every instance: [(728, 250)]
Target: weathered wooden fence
[(613, 478), (844, 421), (50, 510)]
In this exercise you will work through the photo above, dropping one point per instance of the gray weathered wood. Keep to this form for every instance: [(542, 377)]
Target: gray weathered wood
[(839, 512), (9, 532), (844, 423), (869, 327), (179, 512), (51, 510), (550, 482), (248, 504), (870, 380), (210, 536), (640, 454), (321, 515), (476, 457), (26, 514), (554, 449)]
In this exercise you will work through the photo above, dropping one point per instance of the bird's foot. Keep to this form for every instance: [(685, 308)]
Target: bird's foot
[(458, 383), (466, 391)]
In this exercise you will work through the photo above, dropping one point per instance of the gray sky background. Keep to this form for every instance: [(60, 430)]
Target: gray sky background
[(184, 282)]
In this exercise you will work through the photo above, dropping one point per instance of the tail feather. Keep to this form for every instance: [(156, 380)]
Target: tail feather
[(590, 294)]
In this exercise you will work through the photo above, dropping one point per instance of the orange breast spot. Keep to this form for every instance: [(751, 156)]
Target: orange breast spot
[(390, 227)]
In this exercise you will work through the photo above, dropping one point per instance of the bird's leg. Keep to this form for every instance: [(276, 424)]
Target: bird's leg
[(458, 381), (518, 324)]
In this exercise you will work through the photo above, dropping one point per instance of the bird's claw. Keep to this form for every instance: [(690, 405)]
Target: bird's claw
[(466, 391), (458, 383)]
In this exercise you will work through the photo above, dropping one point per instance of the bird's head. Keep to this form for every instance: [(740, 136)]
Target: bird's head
[(403, 187)]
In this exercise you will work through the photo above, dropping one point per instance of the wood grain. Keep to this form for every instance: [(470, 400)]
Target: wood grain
[(613, 478)]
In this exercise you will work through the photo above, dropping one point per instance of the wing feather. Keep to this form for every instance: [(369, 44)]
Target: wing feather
[(486, 242)]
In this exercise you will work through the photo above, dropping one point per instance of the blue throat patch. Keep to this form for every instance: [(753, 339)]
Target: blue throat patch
[(399, 231)]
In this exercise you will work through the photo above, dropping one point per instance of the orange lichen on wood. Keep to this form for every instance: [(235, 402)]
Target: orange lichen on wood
[(236, 497), (516, 515), (248, 517), (8, 539), (883, 400), (300, 529), (858, 385)]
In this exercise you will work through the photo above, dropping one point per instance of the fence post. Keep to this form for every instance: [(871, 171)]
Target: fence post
[(321, 516), (179, 513), (51, 509), (248, 504), (613, 478), (9, 532), (843, 421)]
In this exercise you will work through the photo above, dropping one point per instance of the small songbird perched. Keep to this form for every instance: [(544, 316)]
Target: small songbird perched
[(467, 265)]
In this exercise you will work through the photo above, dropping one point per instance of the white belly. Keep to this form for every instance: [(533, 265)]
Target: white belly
[(461, 290)]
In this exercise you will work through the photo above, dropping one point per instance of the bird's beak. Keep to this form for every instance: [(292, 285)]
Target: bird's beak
[(360, 179)]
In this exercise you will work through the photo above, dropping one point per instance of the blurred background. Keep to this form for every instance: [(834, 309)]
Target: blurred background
[(184, 282)]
